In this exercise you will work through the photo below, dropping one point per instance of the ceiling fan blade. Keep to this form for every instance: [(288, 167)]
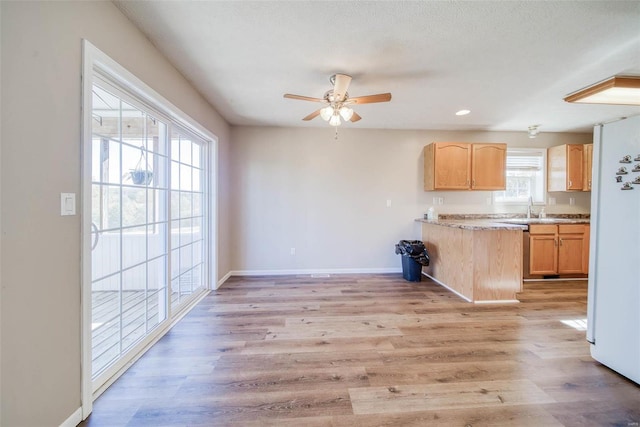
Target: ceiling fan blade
[(340, 86), (303, 98), (355, 117), (369, 99), (312, 115)]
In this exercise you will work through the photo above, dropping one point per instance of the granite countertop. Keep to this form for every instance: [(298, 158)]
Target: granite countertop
[(501, 222), (477, 224)]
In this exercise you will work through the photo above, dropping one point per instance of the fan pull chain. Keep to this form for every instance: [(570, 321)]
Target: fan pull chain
[(336, 138)]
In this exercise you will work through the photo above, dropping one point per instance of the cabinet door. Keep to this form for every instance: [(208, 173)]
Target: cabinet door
[(587, 167), (585, 252), (452, 166), (557, 168), (573, 249), (570, 253), (565, 167), (575, 166), (488, 166), (543, 255)]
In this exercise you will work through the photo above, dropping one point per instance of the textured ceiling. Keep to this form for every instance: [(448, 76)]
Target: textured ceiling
[(510, 63)]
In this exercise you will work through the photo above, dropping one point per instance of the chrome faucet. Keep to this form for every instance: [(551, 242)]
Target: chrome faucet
[(530, 208)]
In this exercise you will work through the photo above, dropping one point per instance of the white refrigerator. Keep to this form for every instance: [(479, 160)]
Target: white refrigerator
[(613, 309)]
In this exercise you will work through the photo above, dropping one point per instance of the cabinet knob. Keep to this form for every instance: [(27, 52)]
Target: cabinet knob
[(570, 183), (555, 241)]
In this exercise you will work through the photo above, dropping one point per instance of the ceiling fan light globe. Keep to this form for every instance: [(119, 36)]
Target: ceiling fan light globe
[(335, 120), (326, 113), (346, 113)]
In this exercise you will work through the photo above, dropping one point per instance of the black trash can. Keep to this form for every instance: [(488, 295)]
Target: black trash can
[(414, 256)]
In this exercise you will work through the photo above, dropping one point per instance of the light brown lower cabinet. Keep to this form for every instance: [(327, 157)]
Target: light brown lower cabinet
[(477, 264), (543, 249), (557, 249)]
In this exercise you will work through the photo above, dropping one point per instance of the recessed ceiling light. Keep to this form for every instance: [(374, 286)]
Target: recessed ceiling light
[(463, 112)]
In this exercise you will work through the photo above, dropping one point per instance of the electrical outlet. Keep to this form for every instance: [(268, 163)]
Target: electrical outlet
[(552, 200), (435, 200), (572, 201), (388, 203), (441, 200), (293, 251)]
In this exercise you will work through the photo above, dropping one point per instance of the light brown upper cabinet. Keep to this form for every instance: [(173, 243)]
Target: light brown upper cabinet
[(488, 166), (569, 167), (588, 167), (464, 166)]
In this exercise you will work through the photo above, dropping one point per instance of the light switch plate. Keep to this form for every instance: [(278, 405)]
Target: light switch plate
[(67, 204)]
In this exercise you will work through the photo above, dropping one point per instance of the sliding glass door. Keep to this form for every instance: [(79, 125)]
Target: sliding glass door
[(148, 224), (148, 215)]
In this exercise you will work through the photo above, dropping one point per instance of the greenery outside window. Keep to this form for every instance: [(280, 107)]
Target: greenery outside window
[(525, 177)]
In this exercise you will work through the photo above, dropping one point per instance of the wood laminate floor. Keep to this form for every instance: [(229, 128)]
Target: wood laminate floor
[(372, 350)]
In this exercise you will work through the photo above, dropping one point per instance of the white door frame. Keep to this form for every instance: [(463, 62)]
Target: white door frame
[(95, 60)]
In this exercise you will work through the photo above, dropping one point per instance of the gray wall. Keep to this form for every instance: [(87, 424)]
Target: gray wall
[(40, 143), (278, 188), (300, 188)]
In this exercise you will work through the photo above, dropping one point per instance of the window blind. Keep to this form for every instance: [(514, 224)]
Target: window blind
[(525, 160)]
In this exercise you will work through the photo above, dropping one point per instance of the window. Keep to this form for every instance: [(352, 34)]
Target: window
[(525, 176)]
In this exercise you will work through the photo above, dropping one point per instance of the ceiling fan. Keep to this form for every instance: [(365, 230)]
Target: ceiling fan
[(338, 103)]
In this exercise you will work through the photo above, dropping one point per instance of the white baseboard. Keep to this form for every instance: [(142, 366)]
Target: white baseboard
[(498, 301), (318, 271), (224, 279), (74, 419), (445, 286)]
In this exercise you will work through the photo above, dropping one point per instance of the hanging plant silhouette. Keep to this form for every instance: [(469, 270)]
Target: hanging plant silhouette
[(142, 174)]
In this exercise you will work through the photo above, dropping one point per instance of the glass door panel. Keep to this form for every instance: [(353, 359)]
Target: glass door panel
[(187, 216), (129, 227)]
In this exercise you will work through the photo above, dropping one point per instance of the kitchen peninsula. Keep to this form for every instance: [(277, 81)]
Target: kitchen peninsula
[(480, 260)]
